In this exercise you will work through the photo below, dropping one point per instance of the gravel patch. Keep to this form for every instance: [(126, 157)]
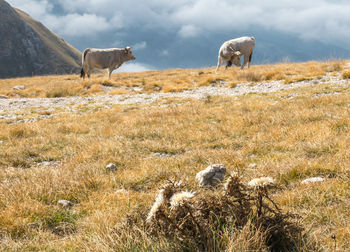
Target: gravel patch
[(9, 108)]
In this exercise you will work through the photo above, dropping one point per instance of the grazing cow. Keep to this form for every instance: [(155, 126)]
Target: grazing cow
[(104, 58), (232, 50)]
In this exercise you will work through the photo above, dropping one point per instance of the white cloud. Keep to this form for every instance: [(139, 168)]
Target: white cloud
[(36, 9), (139, 46), (133, 67), (189, 31), (323, 20), (77, 25), (117, 43), (164, 53)]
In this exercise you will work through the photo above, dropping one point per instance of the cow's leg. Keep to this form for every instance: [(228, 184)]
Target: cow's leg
[(110, 70), (219, 64), (244, 61), (250, 59), (228, 64), (82, 73)]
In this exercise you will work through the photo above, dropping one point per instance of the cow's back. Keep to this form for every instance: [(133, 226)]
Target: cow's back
[(243, 44), (100, 58)]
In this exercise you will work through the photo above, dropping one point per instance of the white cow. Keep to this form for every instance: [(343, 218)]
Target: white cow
[(104, 58), (232, 50)]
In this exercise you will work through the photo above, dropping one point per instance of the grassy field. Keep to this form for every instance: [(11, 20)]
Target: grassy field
[(290, 135), (173, 80)]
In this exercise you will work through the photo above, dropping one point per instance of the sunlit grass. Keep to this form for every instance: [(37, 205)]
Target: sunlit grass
[(287, 139), (172, 80)]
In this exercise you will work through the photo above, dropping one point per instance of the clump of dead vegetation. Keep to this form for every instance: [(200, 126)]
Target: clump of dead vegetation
[(215, 220)]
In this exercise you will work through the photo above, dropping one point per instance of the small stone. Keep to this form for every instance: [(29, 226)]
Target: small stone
[(3, 97), (19, 88), (111, 167), (211, 175), (65, 203), (252, 165), (33, 225), (121, 191), (137, 89), (312, 180), (162, 155)]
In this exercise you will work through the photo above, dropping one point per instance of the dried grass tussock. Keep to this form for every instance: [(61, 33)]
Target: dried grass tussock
[(198, 223), (59, 191)]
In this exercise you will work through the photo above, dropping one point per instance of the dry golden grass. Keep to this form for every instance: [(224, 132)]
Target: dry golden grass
[(346, 75), (173, 80), (288, 139)]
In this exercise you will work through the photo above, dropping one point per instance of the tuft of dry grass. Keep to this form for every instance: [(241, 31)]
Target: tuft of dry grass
[(346, 75), (201, 221)]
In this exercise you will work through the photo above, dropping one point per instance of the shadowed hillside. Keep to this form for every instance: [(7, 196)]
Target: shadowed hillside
[(28, 48)]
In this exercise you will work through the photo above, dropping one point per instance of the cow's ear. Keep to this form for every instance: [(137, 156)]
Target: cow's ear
[(238, 53), (127, 48)]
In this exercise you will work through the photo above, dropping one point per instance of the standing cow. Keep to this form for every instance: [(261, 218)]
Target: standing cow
[(232, 50), (104, 58)]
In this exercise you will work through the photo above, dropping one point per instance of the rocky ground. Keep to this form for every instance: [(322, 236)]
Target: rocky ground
[(30, 109)]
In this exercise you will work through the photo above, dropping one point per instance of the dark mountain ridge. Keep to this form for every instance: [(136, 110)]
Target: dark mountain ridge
[(28, 48)]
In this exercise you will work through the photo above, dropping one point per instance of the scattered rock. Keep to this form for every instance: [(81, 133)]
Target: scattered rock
[(111, 167), (47, 164), (252, 165), (312, 180), (19, 88), (211, 175), (14, 105), (65, 203), (34, 225), (137, 89), (162, 154), (3, 97), (121, 191)]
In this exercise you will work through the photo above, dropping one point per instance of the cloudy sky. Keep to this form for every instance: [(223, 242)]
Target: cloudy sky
[(168, 33)]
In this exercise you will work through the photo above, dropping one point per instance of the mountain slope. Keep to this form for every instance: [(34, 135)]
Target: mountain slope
[(28, 48)]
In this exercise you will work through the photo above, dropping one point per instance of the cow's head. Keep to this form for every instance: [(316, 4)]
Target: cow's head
[(128, 51), (236, 58)]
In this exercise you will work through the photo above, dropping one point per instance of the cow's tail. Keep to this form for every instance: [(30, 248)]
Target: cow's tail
[(82, 72)]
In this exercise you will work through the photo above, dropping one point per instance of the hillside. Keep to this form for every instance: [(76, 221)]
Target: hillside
[(289, 122), (28, 48)]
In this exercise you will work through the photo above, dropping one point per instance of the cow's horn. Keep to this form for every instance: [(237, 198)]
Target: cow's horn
[(128, 48)]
